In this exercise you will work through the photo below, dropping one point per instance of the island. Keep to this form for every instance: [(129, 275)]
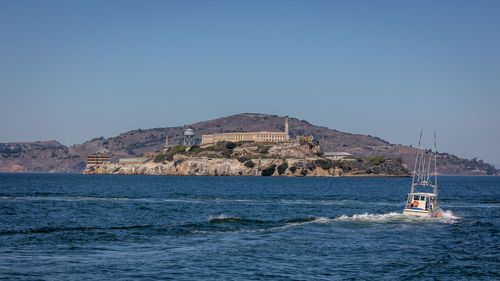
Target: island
[(297, 158)]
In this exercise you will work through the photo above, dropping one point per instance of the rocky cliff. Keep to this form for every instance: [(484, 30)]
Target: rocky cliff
[(291, 159)]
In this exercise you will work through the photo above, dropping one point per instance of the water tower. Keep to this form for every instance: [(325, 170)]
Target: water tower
[(189, 137)]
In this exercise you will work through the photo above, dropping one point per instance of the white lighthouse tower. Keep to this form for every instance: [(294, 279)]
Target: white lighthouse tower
[(287, 136)]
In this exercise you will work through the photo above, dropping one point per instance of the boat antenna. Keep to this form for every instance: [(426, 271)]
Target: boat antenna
[(435, 165), (416, 161), (428, 172)]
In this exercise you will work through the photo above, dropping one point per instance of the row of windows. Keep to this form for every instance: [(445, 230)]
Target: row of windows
[(263, 137)]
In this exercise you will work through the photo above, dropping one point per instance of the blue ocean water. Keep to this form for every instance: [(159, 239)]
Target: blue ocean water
[(74, 227)]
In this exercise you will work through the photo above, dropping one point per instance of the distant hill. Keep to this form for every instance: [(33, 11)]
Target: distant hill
[(51, 156)]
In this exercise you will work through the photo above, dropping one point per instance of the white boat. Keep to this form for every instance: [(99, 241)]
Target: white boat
[(423, 197)]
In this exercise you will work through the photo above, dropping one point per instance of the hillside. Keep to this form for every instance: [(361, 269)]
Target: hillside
[(54, 157)]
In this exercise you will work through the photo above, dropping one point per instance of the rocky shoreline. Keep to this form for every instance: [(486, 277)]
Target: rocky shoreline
[(249, 159), (209, 167)]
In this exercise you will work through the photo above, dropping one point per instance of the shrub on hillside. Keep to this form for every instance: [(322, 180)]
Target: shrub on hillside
[(324, 164), (159, 158), (269, 171), (195, 149), (282, 168), (377, 160), (220, 145), (264, 149), (249, 164), (226, 153), (311, 166), (178, 149)]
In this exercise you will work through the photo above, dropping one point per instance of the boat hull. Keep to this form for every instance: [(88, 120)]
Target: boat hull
[(420, 213)]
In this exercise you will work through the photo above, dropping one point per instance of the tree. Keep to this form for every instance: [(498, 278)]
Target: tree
[(269, 171), (282, 168), (249, 164), (159, 158)]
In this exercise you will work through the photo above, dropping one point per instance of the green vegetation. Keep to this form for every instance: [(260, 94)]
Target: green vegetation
[(366, 165), (377, 160), (178, 149), (249, 164), (374, 165), (194, 150), (474, 164), (491, 170), (221, 145), (230, 145), (310, 166), (269, 171), (227, 153), (159, 158), (304, 142), (324, 163), (264, 149), (282, 168)]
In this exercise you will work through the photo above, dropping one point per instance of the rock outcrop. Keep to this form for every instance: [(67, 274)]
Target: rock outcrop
[(291, 159), (202, 166)]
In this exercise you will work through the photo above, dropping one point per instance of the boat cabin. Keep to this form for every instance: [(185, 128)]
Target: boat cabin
[(421, 201)]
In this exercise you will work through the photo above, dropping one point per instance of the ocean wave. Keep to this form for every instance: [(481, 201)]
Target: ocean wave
[(65, 198), (274, 225), (197, 200), (78, 228), (234, 220), (447, 216), (474, 205)]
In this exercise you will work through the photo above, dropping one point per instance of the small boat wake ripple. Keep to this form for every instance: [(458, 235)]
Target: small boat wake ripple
[(445, 217), (364, 219), (224, 224)]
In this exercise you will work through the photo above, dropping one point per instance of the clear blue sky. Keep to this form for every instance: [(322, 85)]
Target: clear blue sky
[(75, 70)]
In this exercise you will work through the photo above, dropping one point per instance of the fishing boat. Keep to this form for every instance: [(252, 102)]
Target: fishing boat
[(423, 197)]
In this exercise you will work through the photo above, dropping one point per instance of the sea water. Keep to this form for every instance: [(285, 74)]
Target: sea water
[(76, 227)]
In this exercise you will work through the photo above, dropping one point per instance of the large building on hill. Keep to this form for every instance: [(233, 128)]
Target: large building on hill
[(250, 136)]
